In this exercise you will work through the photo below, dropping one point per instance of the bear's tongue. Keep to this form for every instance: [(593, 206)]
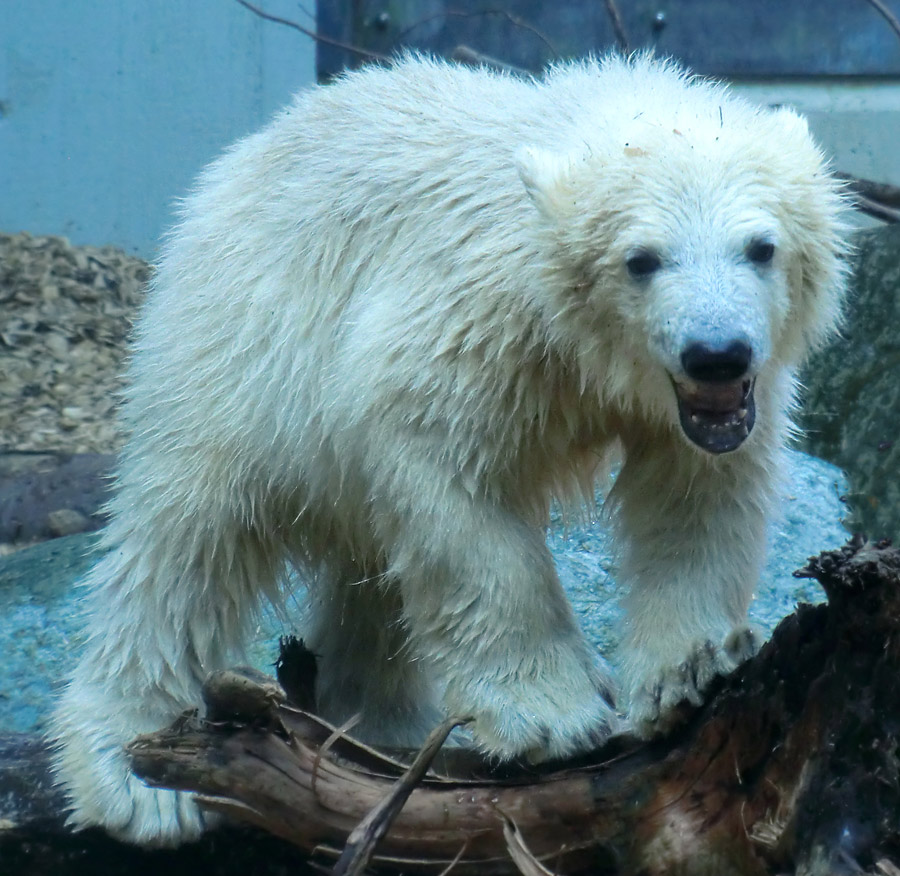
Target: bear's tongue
[(716, 416)]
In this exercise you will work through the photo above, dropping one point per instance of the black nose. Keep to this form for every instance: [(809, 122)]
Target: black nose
[(718, 364)]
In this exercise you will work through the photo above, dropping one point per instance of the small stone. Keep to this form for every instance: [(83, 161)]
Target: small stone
[(57, 344), (67, 521)]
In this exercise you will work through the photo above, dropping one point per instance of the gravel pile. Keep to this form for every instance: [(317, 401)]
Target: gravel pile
[(65, 315)]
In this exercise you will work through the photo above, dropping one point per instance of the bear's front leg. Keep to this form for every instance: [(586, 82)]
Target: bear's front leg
[(484, 606), (693, 531)]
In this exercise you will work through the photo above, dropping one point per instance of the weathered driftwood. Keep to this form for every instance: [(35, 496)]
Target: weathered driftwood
[(792, 765)]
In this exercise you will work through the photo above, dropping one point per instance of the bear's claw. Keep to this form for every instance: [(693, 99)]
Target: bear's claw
[(549, 719), (655, 701)]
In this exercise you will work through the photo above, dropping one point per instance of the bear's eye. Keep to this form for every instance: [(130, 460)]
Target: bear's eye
[(643, 263), (760, 252)]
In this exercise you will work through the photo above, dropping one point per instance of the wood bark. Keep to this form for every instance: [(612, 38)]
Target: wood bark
[(791, 766)]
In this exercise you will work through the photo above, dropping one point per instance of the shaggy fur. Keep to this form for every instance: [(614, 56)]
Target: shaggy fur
[(389, 328)]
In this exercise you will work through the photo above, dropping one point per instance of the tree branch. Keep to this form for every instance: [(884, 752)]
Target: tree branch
[(515, 20), (886, 14), (374, 56), (467, 55), (618, 25), (883, 193)]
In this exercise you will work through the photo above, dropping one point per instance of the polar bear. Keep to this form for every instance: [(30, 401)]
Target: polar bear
[(390, 327)]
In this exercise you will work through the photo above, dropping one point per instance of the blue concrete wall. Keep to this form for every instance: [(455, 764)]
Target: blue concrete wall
[(108, 108)]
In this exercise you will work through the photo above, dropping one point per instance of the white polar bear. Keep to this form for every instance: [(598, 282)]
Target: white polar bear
[(389, 328)]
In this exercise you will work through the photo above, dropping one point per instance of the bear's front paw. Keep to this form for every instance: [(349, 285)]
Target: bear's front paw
[(104, 793), (92, 766), (548, 718), (658, 693)]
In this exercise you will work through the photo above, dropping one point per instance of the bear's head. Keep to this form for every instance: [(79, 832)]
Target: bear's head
[(688, 254)]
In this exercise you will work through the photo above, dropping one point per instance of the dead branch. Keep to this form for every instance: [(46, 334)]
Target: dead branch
[(515, 20), (875, 209), (618, 26), (877, 199), (362, 841), (792, 763), (287, 22), (883, 193), (467, 55), (886, 14)]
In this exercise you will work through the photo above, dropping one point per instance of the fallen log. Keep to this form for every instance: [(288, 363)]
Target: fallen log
[(792, 765)]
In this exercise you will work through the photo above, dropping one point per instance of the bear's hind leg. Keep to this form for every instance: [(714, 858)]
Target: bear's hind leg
[(168, 603), (365, 666)]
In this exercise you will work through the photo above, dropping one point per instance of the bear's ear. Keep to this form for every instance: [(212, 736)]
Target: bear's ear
[(547, 179)]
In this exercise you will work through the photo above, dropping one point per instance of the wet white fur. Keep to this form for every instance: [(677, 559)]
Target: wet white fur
[(391, 326)]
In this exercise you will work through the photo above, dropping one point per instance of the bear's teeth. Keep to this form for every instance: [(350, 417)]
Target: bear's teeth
[(733, 418)]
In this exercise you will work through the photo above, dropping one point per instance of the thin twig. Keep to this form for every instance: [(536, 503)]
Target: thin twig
[(883, 193), (375, 56), (515, 20), (449, 868), (307, 11), (886, 14), (876, 210), (618, 25), (336, 734), (525, 861), (876, 199), (365, 836), (468, 55)]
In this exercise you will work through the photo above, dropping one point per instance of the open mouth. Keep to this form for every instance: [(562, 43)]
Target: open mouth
[(717, 417)]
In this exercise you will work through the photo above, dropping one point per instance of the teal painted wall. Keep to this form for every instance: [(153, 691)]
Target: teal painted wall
[(108, 108)]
